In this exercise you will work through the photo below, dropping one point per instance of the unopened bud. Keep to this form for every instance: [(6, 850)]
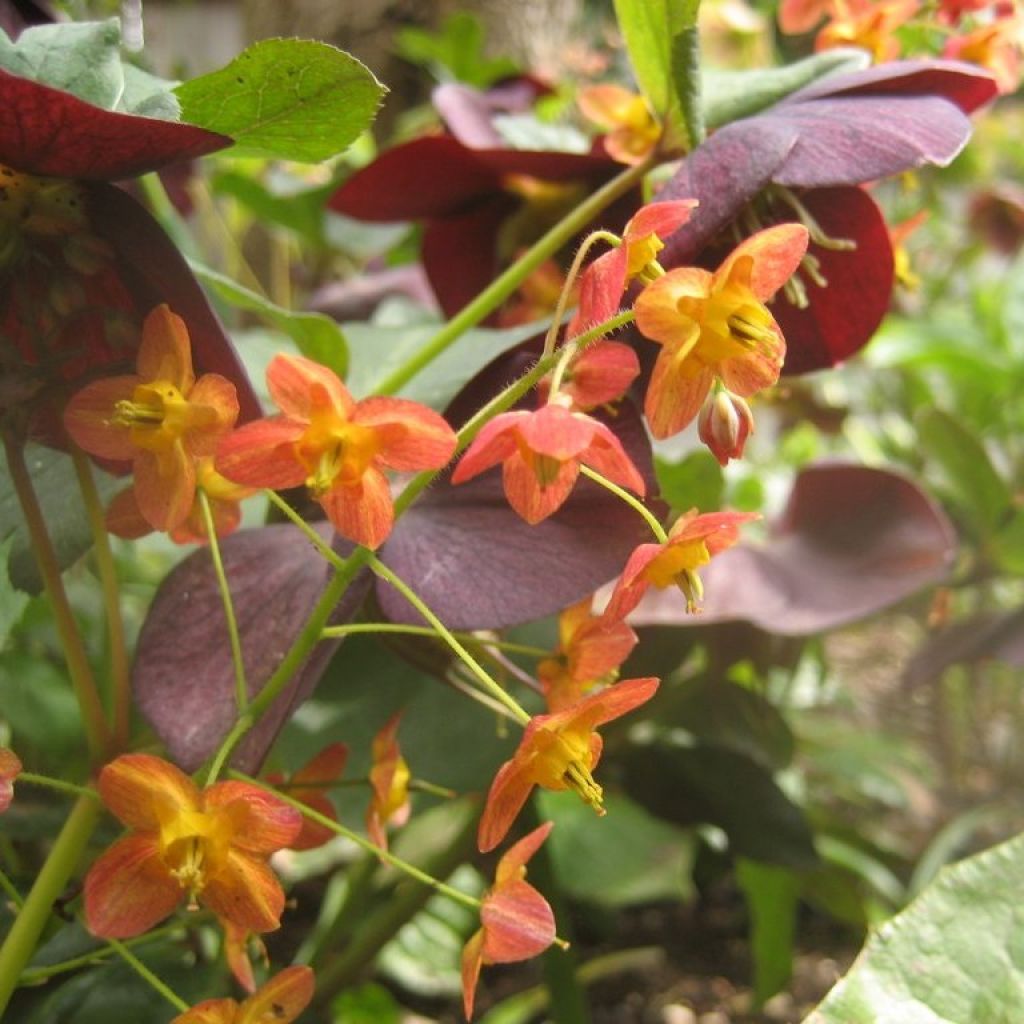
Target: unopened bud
[(724, 425)]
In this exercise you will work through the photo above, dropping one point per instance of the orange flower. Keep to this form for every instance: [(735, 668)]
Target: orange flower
[(308, 786), (236, 953), (211, 845), (717, 325), (996, 46), (692, 542), (10, 767), (558, 751), (517, 922), (872, 27), (590, 650), (389, 779), (632, 130), (542, 452), (162, 419), (599, 374), (336, 446), (279, 1001)]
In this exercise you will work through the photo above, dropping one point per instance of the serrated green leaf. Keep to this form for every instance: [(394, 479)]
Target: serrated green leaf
[(83, 58), (965, 463), (771, 894), (147, 95), (730, 95), (316, 335), (954, 956), (295, 99)]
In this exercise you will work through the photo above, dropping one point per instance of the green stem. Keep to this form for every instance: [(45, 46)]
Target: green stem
[(504, 285), (147, 975), (11, 890), (37, 975), (63, 858), (385, 855), (59, 784), (656, 528), (314, 538), (492, 687), (241, 687), (396, 627), (120, 672), (82, 681)]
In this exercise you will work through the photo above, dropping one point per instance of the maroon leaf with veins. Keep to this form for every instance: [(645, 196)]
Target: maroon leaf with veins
[(479, 566), (852, 541), (183, 677), (50, 132)]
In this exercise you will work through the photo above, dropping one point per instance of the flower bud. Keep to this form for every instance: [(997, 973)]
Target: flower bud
[(724, 425)]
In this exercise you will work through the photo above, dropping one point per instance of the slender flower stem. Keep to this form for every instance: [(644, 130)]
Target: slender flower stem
[(82, 681), (502, 287), (241, 687), (397, 627), (147, 975), (30, 778), (315, 539), (120, 673), (381, 570), (656, 528), (386, 856), (11, 891), (60, 864)]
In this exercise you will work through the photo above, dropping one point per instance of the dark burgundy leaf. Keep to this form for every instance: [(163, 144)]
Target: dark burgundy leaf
[(852, 541), (50, 132), (479, 566), (842, 317), (183, 676)]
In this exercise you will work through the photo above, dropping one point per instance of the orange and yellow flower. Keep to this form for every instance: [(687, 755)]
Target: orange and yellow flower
[(716, 326), (692, 542), (996, 46), (336, 446), (558, 751), (516, 921), (10, 768), (389, 780), (309, 786), (279, 1001), (541, 453), (632, 130), (162, 419), (870, 26), (210, 846)]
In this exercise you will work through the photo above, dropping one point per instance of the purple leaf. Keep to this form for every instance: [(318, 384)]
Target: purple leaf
[(183, 677), (852, 541)]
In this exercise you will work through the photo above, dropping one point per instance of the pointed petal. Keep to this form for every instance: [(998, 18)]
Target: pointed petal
[(616, 700), (263, 823), (505, 800), (300, 386), (776, 252), (607, 105), (630, 586), (518, 923), (210, 1011), (472, 960), (218, 394), (676, 391), (660, 218), (518, 855), (526, 495), (558, 433), (657, 306), (165, 486), (87, 418), (495, 443), (281, 999), (600, 647), (128, 889), (410, 435), (601, 288), (123, 518), (754, 371), (139, 789), (327, 766), (245, 892), (363, 513), (718, 530), (609, 458), (166, 351), (236, 955), (262, 454)]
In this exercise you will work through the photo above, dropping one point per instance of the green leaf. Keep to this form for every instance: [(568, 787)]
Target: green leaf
[(83, 58), (658, 35), (290, 98), (56, 486), (368, 1003), (771, 894), (954, 956), (969, 472), (694, 482), (316, 335), (12, 600), (456, 51), (626, 858), (377, 351), (301, 211), (730, 95)]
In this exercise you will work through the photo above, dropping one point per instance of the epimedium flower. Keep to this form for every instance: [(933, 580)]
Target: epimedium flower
[(558, 751), (541, 453), (996, 46), (692, 542), (209, 846), (279, 1001), (717, 325), (163, 418), (724, 424), (590, 650), (389, 781), (336, 446), (597, 374), (632, 131), (872, 27), (309, 786), (10, 768), (516, 922), (81, 261)]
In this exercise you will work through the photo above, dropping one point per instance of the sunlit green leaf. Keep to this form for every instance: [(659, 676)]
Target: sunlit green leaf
[(771, 894)]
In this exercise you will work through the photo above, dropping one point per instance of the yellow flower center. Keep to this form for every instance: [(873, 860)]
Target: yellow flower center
[(677, 566), (642, 252), (195, 846), (562, 760), (333, 450), (159, 415)]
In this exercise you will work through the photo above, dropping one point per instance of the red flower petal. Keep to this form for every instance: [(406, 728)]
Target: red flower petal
[(519, 853), (472, 960), (300, 386), (139, 789), (263, 823), (528, 497), (518, 923), (262, 454), (281, 999), (166, 350), (245, 892), (495, 443), (364, 513), (87, 418), (508, 793), (165, 486), (411, 436)]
